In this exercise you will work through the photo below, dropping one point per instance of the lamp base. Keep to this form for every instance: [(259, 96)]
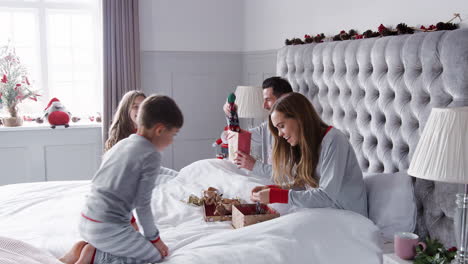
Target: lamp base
[(460, 226)]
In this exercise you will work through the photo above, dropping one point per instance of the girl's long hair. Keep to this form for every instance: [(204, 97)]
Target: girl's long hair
[(295, 166), (122, 125)]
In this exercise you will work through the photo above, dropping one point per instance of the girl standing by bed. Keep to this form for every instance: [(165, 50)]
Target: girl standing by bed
[(314, 163), (124, 182), (124, 123)]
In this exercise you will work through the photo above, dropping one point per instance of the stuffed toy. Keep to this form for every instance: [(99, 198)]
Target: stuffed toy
[(221, 145), (57, 114), (232, 124)]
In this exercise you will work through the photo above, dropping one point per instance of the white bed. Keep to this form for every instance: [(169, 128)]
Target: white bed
[(46, 216)]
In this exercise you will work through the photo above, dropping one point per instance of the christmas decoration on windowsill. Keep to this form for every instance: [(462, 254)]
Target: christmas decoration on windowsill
[(382, 31), (14, 85), (56, 114), (435, 253), (75, 119)]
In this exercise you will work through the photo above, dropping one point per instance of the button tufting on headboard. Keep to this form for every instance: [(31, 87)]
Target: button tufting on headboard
[(379, 92)]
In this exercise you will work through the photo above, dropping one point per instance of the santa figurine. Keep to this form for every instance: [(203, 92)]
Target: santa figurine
[(221, 145), (57, 114)]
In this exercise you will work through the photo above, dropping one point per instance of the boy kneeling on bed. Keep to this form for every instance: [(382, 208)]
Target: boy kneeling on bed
[(124, 182)]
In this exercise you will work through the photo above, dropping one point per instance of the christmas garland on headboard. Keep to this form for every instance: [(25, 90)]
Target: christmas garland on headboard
[(382, 31)]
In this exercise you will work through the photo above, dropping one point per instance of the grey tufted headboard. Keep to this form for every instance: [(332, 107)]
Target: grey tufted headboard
[(379, 92)]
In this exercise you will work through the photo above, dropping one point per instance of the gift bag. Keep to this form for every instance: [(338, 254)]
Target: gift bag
[(240, 141)]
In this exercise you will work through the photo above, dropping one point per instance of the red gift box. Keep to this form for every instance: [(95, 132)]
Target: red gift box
[(240, 141)]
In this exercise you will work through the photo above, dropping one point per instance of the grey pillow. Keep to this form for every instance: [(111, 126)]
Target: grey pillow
[(391, 201)]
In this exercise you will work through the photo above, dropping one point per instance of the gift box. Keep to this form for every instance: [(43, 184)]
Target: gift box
[(240, 141), (249, 214), (208, 211)]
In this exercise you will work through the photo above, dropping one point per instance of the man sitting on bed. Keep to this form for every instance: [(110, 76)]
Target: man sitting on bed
[(273, 89)]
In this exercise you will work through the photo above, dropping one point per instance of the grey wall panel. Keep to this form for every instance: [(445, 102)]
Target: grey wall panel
[(32, 154), (199, 82), (69, 167), (15, 165), (257, 66)]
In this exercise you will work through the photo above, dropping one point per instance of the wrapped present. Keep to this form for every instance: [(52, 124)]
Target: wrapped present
[(249, 214), (240, 141)]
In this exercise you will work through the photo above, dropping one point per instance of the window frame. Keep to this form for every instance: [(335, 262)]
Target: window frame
[(41, 8)]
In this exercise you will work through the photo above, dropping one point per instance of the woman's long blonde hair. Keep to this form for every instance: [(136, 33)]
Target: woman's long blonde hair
[(295, 166), (122, 125)]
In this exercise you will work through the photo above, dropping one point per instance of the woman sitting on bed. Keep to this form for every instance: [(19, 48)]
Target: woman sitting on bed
[(314, 164)]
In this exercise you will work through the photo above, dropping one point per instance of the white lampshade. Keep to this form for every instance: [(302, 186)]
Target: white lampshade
[(249, 100), (442, 151)]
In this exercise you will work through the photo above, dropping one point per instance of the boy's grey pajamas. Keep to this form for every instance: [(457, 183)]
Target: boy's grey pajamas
[(118, 243), (165, 175), (124, 182), (167, 171)]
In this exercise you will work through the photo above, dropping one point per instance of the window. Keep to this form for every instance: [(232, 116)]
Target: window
[(60, 43)]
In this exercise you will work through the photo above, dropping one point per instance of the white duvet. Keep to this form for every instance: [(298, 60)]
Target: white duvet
[(46, 216)]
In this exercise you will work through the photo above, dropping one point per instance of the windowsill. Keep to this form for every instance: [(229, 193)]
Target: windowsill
[(44, 126)]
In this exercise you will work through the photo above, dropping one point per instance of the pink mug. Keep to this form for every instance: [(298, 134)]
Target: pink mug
[(405, 244)]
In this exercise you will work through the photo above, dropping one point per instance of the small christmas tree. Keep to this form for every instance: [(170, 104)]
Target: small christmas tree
[(14, 83)]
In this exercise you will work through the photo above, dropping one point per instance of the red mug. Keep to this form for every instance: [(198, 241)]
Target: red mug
[(405, 244)]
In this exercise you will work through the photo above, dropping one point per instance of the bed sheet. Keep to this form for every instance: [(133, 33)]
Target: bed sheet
[(46, 216)]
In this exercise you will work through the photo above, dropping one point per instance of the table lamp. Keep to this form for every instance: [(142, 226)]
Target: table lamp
[(442, 155), (249, 100)]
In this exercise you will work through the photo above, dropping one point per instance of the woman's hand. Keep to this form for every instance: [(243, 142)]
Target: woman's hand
[(162, 248), (259, 188), (261, 194)]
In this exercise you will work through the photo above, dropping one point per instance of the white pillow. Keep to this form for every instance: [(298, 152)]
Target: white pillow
[(391, 202)]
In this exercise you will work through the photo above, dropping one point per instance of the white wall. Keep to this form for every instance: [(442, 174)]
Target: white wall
[(198, 51), (191, 50), (269, 22), (191, 25), (259, 25)]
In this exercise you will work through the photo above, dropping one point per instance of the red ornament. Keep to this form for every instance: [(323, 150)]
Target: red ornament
[(423, 28), (51, 102), (307, 36), (359, 36), (432, 27), (381, 28), (4, 79)]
